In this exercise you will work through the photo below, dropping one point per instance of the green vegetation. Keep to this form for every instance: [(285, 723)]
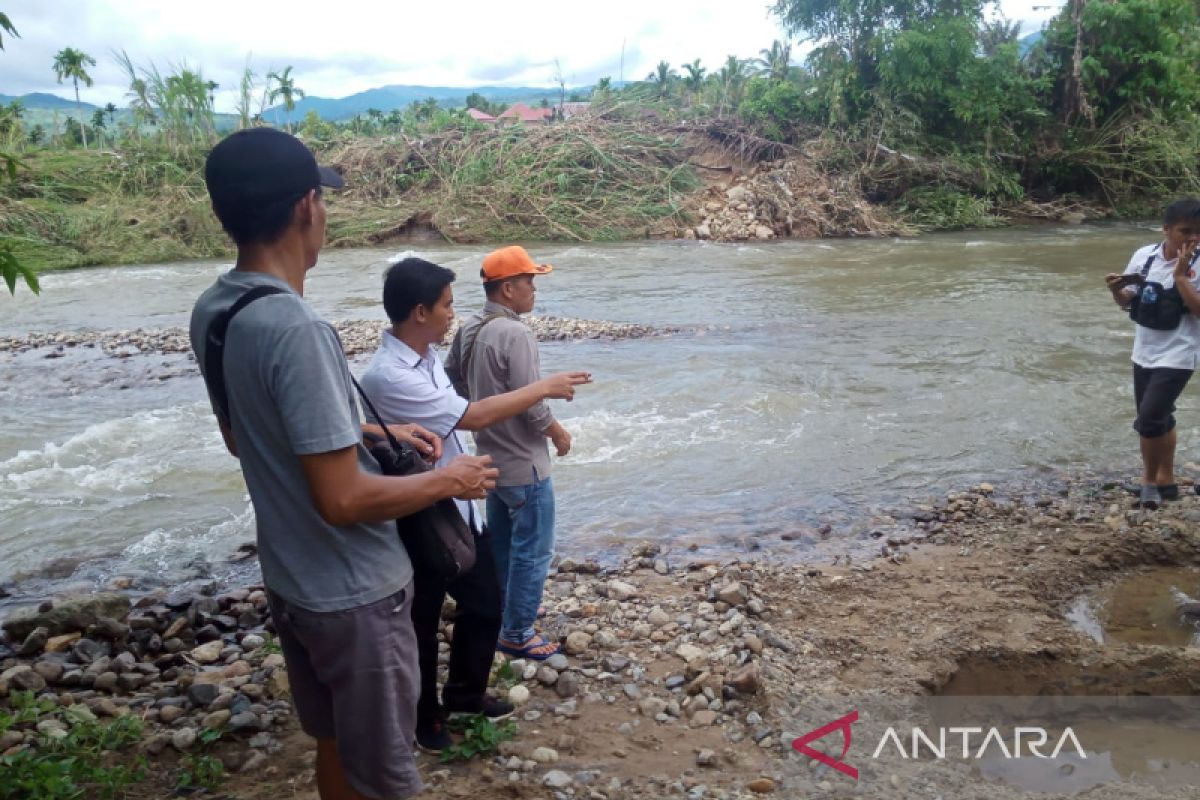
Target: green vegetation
[(1104, 107), (73, 64), (480, 737), (71, 760), (200, 770)]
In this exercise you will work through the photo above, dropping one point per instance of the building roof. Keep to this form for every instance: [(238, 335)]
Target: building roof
[(524, 113), (476, 114)]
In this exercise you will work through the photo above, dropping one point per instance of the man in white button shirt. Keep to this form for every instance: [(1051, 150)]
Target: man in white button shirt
[(1163, 360), (407, 383)]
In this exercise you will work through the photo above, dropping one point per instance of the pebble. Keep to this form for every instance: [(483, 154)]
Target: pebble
[(518, 695), (216, 719), (577, 643), (183, 739), (761, 786), (209, 652), (567, 685), (621, 591), (556, 779), (558, 661), (544, 755), (168, 714)]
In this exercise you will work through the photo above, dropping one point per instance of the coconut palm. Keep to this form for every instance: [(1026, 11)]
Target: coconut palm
[(7, 26), (730, 79), (996, 33), (694, 79), (662, 77), (285, 87), (73, 64), (775, 63)]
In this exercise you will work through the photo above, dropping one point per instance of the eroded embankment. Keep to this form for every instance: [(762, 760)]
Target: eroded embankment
[(581, 181)]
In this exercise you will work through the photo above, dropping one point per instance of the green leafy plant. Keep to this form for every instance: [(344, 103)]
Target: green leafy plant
[(199, 771), (504, 677), (73, 766), (481, 737)]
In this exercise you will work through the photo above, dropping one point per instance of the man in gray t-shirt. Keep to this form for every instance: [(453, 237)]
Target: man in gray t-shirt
[(338, 577)]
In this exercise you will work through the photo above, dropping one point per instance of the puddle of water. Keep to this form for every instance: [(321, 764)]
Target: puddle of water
[(1140, 752), (1142, 609)]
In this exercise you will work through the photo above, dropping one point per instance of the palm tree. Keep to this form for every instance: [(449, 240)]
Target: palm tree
[(662, 77), (730, 79), (7, 26), (996, 33), (694, 78), (286, 88), (776, 62), (212, 86), (73, 64), (98, 126)]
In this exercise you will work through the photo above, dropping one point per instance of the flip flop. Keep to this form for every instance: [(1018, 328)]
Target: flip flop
[(536, 648)]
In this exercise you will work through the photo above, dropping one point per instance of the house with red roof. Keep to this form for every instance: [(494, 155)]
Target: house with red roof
[(519, 112), (479, 116)]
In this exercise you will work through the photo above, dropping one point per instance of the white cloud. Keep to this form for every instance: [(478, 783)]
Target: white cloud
[(347, 46)]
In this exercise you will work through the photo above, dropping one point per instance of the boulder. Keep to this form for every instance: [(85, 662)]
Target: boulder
[(68, 615), (34, 642)]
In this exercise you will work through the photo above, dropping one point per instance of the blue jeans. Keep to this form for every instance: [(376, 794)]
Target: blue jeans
[(521, 522)]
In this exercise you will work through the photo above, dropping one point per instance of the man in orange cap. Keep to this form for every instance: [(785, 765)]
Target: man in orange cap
[(493, 353)]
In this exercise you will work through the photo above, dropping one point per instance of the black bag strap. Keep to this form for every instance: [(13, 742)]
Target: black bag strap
[(392, 440), (214, 345), (1149, 262)]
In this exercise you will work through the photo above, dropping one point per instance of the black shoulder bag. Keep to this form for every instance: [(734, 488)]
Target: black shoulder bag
[(1155, 306), (437, 538)]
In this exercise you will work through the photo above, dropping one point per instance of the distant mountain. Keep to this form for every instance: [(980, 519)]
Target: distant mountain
[(386, 98), (1027, 43), (44, 100)]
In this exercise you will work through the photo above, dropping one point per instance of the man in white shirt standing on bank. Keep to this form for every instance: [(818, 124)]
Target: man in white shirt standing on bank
[(1163, 360), (406, 382)]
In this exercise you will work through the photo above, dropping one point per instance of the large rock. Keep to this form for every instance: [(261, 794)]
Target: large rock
[(34, 642), (68, 615), (747, 679)]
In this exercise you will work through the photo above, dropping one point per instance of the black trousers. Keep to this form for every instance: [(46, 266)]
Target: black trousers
[(1155, 392), (476, 629)]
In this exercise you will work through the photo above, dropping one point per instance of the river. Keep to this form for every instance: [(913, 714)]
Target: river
[(819, 380)]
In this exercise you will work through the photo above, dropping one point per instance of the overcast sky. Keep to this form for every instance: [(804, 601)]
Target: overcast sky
[(346, 46)]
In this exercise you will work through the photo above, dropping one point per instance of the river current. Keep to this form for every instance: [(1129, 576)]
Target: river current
[(814, 381)]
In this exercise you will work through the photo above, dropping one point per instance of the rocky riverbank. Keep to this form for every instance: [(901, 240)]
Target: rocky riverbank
[(680, 676), (358, 337)]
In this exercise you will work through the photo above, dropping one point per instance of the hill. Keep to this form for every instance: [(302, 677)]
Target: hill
[(386, 98), (44, 100)]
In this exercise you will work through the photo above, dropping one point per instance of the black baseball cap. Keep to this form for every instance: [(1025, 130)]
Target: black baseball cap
[(256, 167)]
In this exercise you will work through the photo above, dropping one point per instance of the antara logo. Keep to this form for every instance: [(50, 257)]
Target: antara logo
[(800, 744), (994, 742)]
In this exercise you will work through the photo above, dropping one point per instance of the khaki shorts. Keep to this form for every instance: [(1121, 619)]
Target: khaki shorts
[(354, 679)]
